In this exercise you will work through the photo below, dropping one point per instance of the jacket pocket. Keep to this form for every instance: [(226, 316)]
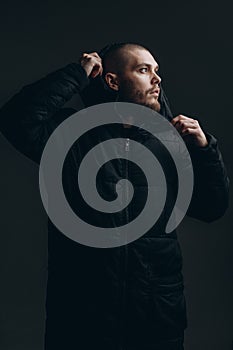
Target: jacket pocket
[(168, 309)]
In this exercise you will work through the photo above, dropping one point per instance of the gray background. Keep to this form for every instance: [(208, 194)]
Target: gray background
[(192, 42)]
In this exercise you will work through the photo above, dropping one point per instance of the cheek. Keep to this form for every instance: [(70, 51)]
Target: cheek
[(140, 91), (138, 82), (135, 86), (143, 85)]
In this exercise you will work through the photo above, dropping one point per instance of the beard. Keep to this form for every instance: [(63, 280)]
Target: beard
[(128, 93), (155, 105)]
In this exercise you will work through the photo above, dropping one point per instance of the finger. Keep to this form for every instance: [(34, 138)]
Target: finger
[(91, 55), (181, 125), (95, 73), (180, 117), (90, 60), (190, 131), (95, 54), (97, 70)]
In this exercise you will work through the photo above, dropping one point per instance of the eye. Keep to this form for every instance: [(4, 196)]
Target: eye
[(143, 70)]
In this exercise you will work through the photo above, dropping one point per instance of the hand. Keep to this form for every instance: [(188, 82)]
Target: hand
[(92, 64), (190, 129)]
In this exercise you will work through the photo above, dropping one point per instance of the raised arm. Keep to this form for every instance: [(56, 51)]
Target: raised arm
[(210, 197), (28, 118)]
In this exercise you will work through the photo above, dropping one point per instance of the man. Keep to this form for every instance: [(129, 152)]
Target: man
[(138, 82), (128, 297)]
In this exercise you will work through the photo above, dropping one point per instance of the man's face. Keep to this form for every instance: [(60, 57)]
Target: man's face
[(139, 80)]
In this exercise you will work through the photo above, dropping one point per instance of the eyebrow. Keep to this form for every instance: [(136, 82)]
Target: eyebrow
[(148, 65)]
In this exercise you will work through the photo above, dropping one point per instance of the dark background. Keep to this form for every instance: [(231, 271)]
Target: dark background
[(193, 45)]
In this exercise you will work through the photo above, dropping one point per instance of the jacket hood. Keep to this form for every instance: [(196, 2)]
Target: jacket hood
[(97, 92)]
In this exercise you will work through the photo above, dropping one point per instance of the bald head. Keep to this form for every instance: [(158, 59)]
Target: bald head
[(117, 57)]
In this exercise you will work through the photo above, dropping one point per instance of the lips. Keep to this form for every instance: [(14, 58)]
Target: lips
[(155, 92)]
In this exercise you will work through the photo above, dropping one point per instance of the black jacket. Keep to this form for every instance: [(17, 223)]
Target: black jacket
[(105, 298)]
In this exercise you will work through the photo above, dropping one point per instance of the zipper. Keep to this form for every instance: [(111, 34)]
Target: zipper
[(127, 177), (125, 249), (127, 145)]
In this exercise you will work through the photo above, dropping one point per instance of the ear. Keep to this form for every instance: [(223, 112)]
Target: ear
[(112, 81)]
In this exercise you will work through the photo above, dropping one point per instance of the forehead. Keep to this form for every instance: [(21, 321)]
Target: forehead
[(136, 56)]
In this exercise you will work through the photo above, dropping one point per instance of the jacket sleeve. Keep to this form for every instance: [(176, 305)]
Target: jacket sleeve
[(210, 197), (28, 118)]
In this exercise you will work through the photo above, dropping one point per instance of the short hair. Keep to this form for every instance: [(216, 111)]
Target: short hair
[(98, 92), (113, 57)]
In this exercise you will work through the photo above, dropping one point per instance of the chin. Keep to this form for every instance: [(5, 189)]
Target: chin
[(155, 106)]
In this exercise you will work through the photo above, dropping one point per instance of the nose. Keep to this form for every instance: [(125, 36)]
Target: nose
[(155, 78)]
